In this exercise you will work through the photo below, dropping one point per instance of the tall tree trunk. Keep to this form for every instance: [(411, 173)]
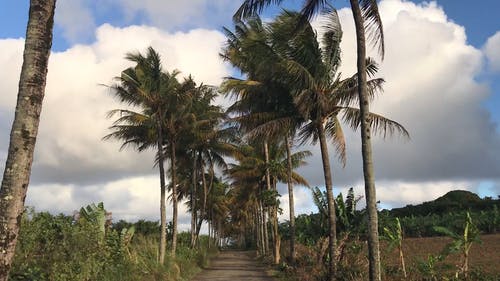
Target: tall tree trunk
[(291, 201), (366, 146), (203, 211), (265, 230), (277, 246), (273, 212), (266, 156), (205, 191), (163, 207), (257, 231), (174, 199), (25, 127), (193, 203), (332, 220), (268, 188)]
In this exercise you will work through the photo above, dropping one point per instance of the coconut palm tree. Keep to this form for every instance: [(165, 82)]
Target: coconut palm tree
[(207, 143), (250, 172), (323, 97), (147, 87), (366, 16), (178, 117), (25, 127), (264, 108)]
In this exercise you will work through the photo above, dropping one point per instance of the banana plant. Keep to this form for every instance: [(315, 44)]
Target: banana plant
[(394, 236), (462, 242), (125, 237), (95, 214)]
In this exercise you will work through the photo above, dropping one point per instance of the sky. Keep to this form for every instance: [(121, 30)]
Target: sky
[(442, 72)]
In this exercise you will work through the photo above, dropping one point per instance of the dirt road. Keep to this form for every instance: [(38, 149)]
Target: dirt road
[(234, 266)]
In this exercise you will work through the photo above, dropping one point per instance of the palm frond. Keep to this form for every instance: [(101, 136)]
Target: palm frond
[(334, 131), (378, 123), (312, 7), (373, 24), (253, 7), (331, 40)]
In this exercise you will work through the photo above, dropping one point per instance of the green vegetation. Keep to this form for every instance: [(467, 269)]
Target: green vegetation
[(225, 165), (453, 201), (394, 236), (447, 211), (446, 260), (88, 246)]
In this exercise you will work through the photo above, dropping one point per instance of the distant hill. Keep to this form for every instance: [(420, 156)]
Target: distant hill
[(456, 200)]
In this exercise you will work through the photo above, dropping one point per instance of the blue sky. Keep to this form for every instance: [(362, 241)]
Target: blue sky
[(480, 19), (444, 88)]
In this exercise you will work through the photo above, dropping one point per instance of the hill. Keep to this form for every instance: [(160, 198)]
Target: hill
[(453, 201)]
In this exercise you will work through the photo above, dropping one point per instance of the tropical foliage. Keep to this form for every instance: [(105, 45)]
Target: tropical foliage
[(228, 166), (60, 247)]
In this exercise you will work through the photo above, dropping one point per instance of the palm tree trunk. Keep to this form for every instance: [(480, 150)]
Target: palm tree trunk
[(203, 211), (193, 204), (291, 201), (277, 237), (205, 192), (268, 188), (272, 209), (163, 207), (25, 127), (257, 231), (265, 230), (366, 147), (174, 199), (332, 224)]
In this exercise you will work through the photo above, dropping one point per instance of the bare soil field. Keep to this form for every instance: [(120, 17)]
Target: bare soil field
[(485, 256)]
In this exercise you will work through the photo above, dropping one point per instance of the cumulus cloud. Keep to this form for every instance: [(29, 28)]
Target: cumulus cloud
[(69, 147), (431, 89), (303, 202), (130, 198), (492, 51)]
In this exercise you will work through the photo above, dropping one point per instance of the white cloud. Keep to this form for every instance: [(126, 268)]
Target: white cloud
[(492, 51), (129, 198), (69, 147), (430, 88), (303, 202)]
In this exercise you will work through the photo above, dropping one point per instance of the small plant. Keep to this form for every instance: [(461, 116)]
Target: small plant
[(394, 236), (428, 267), (462, 242)]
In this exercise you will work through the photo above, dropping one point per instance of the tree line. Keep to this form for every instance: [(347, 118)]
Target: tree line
[(292, 92)]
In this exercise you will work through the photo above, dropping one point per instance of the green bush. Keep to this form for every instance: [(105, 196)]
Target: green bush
[(63, 248)]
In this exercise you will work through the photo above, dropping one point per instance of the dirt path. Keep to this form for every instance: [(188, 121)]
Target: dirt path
[(234, 266)]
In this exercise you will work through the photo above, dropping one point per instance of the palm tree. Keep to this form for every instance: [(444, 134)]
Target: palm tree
[(265, 107), (249, 175), (323, 97), (146, 86), (177, 120), (207, 143), (25, 127), (366, 15)]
